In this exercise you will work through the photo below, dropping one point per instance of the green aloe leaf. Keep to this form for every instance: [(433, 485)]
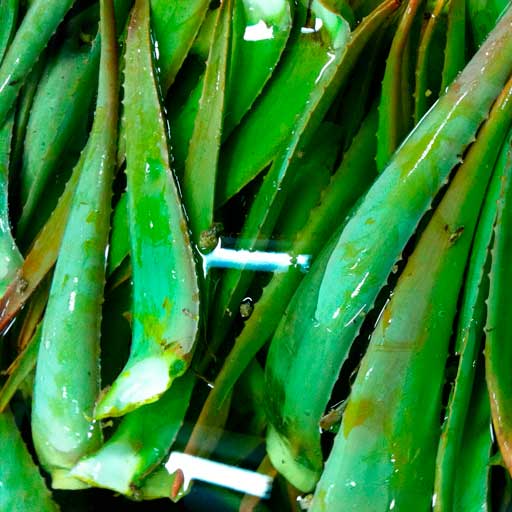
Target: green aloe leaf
[(351, 180), (384, 454), (140, 442), (430, 61), (67, 374), (40, 22), (498, 326), (472, 492), (203, 154), (268, 202), (394, 108), (175, 26), (23, 488), (56, 124), (359, 266), (469, 334), (165, 313)]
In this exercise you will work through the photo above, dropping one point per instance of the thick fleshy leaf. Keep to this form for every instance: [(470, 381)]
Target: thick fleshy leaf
[(469, 335), (165, 313), (40, 22), (23, 488), (367, 249), (67, 374), (351, 180), (384, 454)]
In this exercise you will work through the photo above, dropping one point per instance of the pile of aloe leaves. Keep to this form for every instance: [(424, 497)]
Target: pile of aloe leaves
[(275, 234)]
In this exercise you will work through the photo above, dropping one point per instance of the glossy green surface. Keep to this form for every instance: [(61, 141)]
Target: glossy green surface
[(23, 488), (351, 180), (38, 25), (272, 194), (455, 51), (499, 323), (468, 343), (56, 124), (329, 308), (140, 442), (201, 164), (165, 289), (175, 25), (384, 452), (63, 427), (394, 107)]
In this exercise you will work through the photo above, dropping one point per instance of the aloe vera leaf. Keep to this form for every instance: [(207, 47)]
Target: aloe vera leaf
[(367, 249), (355, 101), (265, 132), (40, 22), (203, 154), (23, 110), (427, 74), (384, 453), (20, 369), (455, 51), (56, 124), (165, 285), (139, 443), (8, 15), (63, 427), (260, 32), (498, 326), (56, 131), (351, 180), (185, 18), (270, 198), (469, 336), (482, 16), (392, 128), (10, 257), (23, 488), (472, 480), (41, 256), (251, 62), (33, 313)]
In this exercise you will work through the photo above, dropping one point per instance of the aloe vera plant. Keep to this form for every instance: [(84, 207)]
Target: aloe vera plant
[(352, 178), (366, 251), (38, 25), (54, 119), (469, 333), (61, 397), (497, 325), (343, 149), (164, 327), (271, 196), (385, 449)]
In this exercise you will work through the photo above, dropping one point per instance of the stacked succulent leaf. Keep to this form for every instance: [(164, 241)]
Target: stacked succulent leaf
[(370, 141)]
